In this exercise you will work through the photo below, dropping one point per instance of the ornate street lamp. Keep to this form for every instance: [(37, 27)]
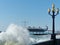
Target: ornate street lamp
[(54, 13)]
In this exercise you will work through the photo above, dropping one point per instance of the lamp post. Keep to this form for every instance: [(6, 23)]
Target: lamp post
[(54, 13)]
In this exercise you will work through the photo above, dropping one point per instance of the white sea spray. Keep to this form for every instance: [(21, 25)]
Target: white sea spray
[(15, 35)]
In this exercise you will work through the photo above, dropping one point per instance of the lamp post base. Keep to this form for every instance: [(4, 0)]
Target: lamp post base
[(53, 36)]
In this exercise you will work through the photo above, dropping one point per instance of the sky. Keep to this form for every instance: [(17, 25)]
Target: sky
[(34, 12)]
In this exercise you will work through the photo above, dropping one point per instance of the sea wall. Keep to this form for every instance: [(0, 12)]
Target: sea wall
[(50, 42)]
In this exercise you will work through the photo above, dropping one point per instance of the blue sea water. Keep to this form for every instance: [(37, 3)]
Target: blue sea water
[(42, 38)]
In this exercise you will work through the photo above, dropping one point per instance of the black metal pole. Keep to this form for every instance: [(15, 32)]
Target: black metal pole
[(53, 36), (53, 22), (53, 27)]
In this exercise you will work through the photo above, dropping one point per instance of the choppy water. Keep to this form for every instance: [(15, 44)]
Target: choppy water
[(17, 35), (42, 38)]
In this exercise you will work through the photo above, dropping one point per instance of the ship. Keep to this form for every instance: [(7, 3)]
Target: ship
[(37, 31)]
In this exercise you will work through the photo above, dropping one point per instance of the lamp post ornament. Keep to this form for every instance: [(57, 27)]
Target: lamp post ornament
[(55, 12)]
